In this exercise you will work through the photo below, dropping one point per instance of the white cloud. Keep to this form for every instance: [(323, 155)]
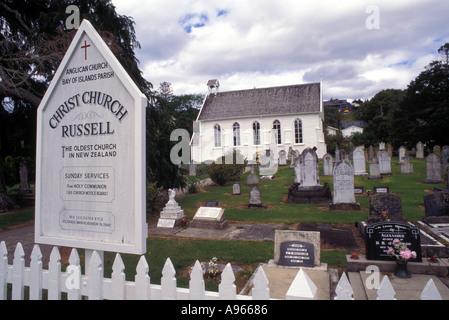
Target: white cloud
[(262, 43)]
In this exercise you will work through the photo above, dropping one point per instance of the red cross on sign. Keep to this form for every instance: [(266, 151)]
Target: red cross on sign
[(85, 49)]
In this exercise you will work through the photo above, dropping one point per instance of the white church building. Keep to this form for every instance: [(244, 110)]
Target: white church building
[(253, 121)]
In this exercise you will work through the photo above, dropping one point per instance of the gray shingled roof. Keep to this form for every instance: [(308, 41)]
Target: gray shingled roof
[(293, 99)]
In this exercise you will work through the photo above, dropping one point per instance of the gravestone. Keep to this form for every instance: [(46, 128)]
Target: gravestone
[(390, 150), (309, 169), (381, 202), (358, 158), (419, 150), (437, 207), (255, 197), (328, 165), (379, 238), (381, 145), (90, 163), (372, 153), (384, 162), (406, 165), (433, 169), (445, 152), (252, 179), (437, 150), (268, 164), (282, 158), (209, 218), (337, 154), (374, 172), (24, 187), (236, 190), (297, 169), (192, 169), (297, 248), (309, 190), (172, 214), (402, 153), (344, 198)]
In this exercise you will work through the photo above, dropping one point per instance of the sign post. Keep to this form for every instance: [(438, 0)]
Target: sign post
[(90, 162)]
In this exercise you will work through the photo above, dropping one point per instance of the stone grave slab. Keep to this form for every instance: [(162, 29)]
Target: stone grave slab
[(209, 218)]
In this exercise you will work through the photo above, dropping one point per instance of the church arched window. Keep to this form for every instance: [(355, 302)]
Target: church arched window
[(298, 131), (256, 133), (277, 131), (236, 134), (217, 135)]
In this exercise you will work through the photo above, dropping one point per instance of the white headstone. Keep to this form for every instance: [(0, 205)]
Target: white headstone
[(327, 165), (343, 183), (419, 150), (358, 157), (90, 163), (384, 162), (309, 169)]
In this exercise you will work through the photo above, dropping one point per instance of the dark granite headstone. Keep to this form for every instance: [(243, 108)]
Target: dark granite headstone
[(437, 207), (297, 254), (379, 238), (380, 202)]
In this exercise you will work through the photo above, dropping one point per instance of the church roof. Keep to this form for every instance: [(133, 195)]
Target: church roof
[(294, 99)]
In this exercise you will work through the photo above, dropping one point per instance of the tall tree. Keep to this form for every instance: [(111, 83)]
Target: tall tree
[(33, 41), (424, 113)]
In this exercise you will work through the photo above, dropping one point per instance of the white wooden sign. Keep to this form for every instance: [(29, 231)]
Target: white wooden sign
[(90, 167)]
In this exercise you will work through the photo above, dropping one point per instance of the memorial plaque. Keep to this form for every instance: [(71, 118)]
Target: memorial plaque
[(380, 236), (297, 254), (209, 213), (90, 159), (381, 189)]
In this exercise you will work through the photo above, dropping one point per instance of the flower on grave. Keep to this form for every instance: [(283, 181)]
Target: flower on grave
[(385, 215), (432, 259), (400, 252), (354, 256), (213, 267)]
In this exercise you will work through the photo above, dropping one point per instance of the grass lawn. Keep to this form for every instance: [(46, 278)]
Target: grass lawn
[(248, 254), (411, 188)]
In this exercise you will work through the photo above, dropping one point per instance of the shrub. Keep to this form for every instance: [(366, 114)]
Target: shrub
[(221, 171)]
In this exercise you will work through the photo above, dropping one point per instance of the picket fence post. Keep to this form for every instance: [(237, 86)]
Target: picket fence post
[(260, 289), (227, 288), (386, 291), (3, 270), (18, 273), (168, 281), (73, 280), (142, 281), (54, 275), (196, 283), (344, 289), (36, 274), (118, 279)]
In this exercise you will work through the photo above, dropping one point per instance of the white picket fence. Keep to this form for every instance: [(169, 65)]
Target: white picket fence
[(95, 287)]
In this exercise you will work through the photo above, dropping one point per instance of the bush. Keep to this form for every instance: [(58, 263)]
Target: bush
[(221, 171)]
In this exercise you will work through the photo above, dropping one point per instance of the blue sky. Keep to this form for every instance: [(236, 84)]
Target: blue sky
[(355, 49)]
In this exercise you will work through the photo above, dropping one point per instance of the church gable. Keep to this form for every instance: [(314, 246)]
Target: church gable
[(286, 100)]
